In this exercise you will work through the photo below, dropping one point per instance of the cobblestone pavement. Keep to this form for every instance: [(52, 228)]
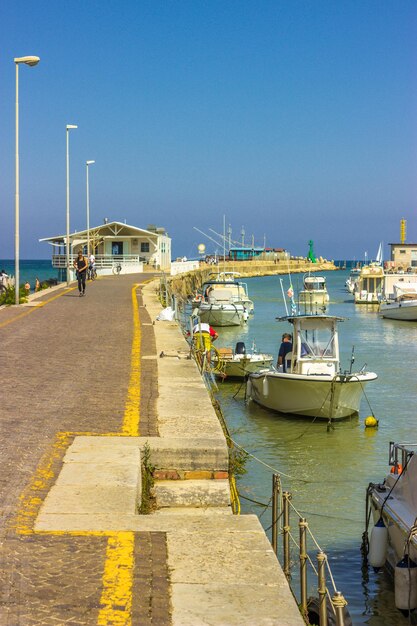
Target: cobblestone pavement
[(65, 368)]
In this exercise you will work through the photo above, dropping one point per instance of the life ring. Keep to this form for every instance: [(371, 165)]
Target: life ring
[(397, 469), (198, 297)]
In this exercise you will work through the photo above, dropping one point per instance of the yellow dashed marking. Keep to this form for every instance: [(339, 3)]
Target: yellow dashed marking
[(131, 416), (116, 597), (35, 308), (30, 500)]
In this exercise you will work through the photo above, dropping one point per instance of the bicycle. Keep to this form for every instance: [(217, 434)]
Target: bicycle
[(117, 269), (91, 273)]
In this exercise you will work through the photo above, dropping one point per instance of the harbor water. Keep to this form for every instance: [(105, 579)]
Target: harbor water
[(327, 471), (30, 270)]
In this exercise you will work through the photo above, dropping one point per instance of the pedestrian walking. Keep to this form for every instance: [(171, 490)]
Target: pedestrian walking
[(80, 265)]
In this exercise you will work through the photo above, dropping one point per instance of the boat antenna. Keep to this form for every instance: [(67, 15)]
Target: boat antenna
[(224, 240), (352, 359), (283, 295)]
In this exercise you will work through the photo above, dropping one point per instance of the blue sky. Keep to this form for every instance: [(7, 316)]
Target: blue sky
[(295, 119)]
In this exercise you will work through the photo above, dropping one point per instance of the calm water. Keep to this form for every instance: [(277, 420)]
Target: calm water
[(329, 471), (30, 269)]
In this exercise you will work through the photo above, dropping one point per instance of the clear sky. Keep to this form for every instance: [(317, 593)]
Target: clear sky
[(293, 118)]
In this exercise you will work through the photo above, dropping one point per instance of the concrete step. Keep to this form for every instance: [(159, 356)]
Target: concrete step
[(192, 493)]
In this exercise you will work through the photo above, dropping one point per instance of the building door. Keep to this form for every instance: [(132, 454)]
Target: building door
[(117, 248)]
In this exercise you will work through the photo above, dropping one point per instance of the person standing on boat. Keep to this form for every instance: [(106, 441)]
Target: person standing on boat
[(80, 265), (285, 348)]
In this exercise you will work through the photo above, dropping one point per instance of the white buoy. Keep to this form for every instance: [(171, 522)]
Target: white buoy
[(265, 387), (378, 544), (405, 578), (249, 388)]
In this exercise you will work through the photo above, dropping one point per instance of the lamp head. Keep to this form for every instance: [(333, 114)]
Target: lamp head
[(70, 126), (27, 60), (89, 162)]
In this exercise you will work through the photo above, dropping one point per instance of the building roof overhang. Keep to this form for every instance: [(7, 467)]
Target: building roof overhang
[(120, 229)]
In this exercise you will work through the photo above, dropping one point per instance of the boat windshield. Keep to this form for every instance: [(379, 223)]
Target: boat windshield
[(312, 284), (317, 343)]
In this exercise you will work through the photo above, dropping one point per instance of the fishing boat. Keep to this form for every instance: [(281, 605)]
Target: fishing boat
[(223, 301), (404, 304), (369, 288), (393, 539), (238, 363), (314, 294), (312, 384)]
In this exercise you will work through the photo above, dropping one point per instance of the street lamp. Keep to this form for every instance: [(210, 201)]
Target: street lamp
[(69, 127), (31, 61), (87, 163)]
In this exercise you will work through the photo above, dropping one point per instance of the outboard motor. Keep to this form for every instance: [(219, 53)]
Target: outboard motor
[(240, 348)]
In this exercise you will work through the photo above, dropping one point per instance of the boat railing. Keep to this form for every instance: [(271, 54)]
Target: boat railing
[(400, 453)]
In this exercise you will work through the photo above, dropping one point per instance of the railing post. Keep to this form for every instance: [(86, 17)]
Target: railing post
[(321, 572), (275, 500), (286, 534), (303, 525), (339, 604)]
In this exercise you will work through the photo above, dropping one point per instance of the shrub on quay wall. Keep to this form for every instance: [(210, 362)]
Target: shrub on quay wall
[(8, 297)]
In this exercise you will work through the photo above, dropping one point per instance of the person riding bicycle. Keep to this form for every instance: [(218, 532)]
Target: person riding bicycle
[(91, 267)]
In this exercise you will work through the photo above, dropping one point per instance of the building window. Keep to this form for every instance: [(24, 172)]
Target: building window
[(144, 246), (402, 251)]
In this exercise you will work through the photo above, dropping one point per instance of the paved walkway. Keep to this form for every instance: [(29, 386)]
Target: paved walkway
[(65, 369)]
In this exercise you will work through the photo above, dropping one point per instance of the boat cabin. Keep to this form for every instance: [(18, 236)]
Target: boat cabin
[(315, 348), (315, 283), (230, 290)]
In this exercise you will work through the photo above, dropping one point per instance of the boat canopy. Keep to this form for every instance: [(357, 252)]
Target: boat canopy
[(315, 318)]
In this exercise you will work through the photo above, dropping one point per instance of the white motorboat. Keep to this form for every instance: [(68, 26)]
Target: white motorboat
[(223, 301), (404, 304), (314, 293), (312, 384), (238, 363), (352, 279), (393, 539)]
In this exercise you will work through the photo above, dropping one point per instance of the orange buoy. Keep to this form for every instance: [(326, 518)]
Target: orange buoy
[(397, 469)]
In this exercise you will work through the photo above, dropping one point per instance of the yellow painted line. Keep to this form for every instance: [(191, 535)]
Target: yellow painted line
[(35, 308), (30, 499), (116, 597), (131, 415)]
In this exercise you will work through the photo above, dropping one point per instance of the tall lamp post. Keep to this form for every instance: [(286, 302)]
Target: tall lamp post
[(31, 61), (69, 127), (87, 163)]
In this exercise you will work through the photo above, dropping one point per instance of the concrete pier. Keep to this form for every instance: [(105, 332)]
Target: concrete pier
[(85, 397)]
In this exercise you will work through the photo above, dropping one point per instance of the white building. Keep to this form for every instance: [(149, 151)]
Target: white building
[(116, 245)]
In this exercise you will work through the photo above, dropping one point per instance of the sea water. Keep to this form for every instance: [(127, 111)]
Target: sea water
[(327, 471), (30, 270)]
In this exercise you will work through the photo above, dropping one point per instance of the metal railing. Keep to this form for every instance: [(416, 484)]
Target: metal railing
[(103, 261), (400, 454), (310, 608)]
